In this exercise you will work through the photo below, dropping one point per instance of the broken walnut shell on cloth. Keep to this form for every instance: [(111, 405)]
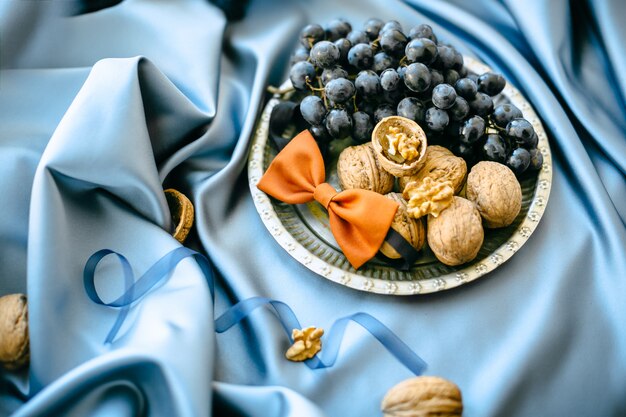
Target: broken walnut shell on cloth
[(14, 339), (423, 396), (410, 228), (441, 165), (358, 167), (496, 192), (399, 144), (456, 235), (182, 212)]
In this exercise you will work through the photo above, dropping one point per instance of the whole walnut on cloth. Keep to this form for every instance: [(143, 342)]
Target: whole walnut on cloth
[(411, 229), (358, 167), (496, 192), (14, 341), (456, 235), (440, 165), (423, 396)]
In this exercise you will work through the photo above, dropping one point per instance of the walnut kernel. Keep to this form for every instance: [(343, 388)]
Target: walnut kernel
[(411, 229), (428, 197), (496, 192), (306, 343), (456, 235), (14, 341), (358, 167), (423, 396), (439, 164)]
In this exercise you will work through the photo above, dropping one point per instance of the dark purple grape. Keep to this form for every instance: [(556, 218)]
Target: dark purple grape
[(339, 90), (362, 127), (481, 105), (392, 42), (332, 74), (494, 148), (462, 70), (344, 46), (384, 110), (453, 129), (444, 96), (421, 50), (310, 35), (382, 61), (459, 110), (390, 80), (491, 83), (536, 160), (301, 54), (324, 54), (417, 77), (521, 131), (367, 106), (337, 29), (372, 28), (361, 56), (519, 161), (301, 73), (472, 130), (422, 31), (357, 36), (466, 88), (391, 24), (436, 77), (533, 142), (320, 133), (445, 57), (393, 97), (474, 78), (313, 110), (411, 108), (367, 84), (451, 76), (504, 113), (401, 70), (465, 151), (338, 123), (436, 119)]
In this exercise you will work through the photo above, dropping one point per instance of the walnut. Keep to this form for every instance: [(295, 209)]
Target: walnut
[(496, 193), (14, 341), (456, 235), (182, 213), (428, 197), (399, 144), (411, 229), (439, 164), (423, 396), (306, 343), (358, 167)]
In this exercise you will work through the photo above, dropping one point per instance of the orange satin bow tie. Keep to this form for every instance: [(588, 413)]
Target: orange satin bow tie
[(359, 219)]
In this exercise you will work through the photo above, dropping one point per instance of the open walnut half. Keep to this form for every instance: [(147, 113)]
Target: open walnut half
[(400, 145)]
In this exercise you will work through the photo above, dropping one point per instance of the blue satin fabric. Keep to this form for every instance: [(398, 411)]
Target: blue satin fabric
[(100, 112)]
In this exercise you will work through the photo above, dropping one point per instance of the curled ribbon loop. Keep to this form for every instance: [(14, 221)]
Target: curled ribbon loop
[(135, 290), (359, 219)]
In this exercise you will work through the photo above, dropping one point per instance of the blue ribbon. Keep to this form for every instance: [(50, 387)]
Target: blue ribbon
[(135, 290)]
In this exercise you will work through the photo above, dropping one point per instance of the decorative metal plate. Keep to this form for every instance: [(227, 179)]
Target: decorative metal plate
[(303, 231)]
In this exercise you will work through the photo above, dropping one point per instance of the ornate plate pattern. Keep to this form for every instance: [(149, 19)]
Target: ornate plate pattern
[(303, 232)]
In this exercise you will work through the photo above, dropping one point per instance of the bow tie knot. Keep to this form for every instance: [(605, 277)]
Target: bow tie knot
[(324, 194)]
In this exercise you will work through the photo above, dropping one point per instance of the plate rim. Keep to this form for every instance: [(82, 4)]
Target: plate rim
[(356, 280)]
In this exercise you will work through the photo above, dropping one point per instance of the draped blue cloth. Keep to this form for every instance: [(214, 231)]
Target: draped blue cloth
[(101, 111)]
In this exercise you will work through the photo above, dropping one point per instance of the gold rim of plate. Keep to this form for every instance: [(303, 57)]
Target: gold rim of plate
[(404, 283)]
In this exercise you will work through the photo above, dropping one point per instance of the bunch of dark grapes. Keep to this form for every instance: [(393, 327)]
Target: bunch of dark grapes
[(354, 78)]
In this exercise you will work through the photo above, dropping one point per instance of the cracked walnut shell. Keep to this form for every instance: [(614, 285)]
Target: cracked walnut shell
[(358, 167), (411, 229), (456, 235), (306, 343), (428, 197), (441, 165), (14, 341), (399, 144), (496, 192), (423, 396), (182, 213)]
